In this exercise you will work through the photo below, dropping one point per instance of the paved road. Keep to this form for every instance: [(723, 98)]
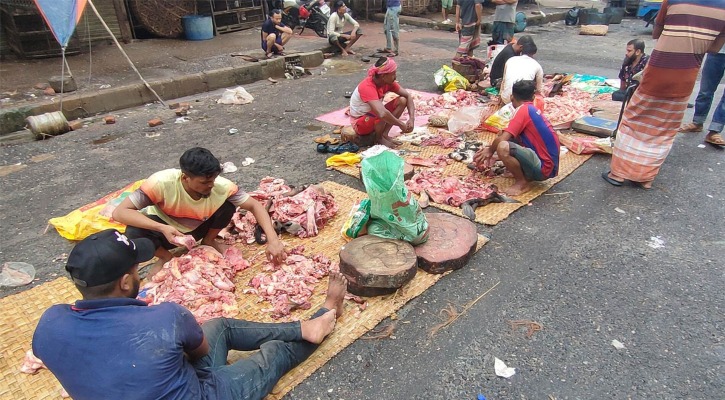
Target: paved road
[(578, 260)]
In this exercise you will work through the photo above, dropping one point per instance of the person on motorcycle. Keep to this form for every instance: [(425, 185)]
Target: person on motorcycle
[(275, 34), (335, 26), (368, 114)]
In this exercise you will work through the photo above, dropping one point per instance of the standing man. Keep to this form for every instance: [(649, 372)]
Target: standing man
[(511, 50), (468, 26), (504, 21), (686, 30), (193, 200), (335, 26), (528, 147), (112, 346), (368, 114), (712, 73), (634, 61), (275, 34), (519, 68), (392, 28)]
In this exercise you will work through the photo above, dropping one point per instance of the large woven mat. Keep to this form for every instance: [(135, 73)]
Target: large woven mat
[(21, 312), (493, 213)]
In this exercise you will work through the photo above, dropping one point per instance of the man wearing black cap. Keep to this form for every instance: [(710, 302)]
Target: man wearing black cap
[(192, 200), (111, 346)]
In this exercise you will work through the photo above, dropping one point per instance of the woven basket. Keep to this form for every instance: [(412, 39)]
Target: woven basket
[(163, 17), (595, 30), (414, 7)]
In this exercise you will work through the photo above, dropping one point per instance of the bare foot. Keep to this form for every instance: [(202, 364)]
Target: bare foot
[(336, 290), (316, 330), (388, 143), (350, 52), (517, 189), (344, 53)]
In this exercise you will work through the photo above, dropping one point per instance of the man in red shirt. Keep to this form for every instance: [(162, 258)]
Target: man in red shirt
[(369, 115), (528, 147)]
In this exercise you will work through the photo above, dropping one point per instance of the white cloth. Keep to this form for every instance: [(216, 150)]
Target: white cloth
[(506, 13), (519, 68), (336, 24), (358, 107)]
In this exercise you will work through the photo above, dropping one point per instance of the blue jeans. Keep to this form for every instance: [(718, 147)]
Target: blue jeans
[(712, 73), (392, 27), (280, 346)]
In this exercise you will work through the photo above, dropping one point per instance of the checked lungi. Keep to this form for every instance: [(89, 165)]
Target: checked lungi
[(469, 38)]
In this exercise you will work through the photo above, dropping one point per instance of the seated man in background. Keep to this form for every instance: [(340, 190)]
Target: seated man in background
[(369, 115), (634, 61), (335, 26), (522, 68), (193, 200), (511, 50), (528, 147), (112, 346), (275, 34)]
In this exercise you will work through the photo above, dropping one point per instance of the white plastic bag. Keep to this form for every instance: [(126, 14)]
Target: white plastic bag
[(237, 95), (16, 274), (465, 119)]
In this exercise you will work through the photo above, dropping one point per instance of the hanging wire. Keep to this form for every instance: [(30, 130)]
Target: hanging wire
[(90, 53), (62, 76)]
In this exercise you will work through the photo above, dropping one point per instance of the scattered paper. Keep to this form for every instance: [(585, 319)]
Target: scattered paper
[(233, 131), (502, 370), (702, 146), (709, 195), (228, 167), (617, 344), (181, 120), (152, 135), (247, 162), (619, 210), (656, 242)]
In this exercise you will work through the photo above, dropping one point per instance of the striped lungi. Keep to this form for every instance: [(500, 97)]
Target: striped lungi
[(645, 136), (469, 38)]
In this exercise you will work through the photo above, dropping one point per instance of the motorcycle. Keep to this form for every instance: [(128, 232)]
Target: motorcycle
[(312, 14)]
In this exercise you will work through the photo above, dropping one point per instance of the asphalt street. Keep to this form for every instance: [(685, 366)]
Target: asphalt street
[(591, 263)]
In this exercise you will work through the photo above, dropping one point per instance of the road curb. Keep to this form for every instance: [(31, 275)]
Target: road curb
[(94, 102), (486, 27)]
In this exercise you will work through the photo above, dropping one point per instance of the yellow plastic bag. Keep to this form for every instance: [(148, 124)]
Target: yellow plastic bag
[(94, 217), (346, 158), (449, 79), (356, 220), (501, 118)]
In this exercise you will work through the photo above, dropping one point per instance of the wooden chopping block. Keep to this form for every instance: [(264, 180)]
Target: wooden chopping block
[(376, 266), (451, 243), (348, 135), (408, 171)]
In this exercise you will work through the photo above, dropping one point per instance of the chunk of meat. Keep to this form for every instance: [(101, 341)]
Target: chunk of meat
[(449, 190), (31, 363), (187, 241)]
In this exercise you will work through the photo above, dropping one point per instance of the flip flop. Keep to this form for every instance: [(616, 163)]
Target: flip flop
[(715, 140), (323, 147), (605, 176), (347, 147), (690, 128), (384, 50), (348, 95)]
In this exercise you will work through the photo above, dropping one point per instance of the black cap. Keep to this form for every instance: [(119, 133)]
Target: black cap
[(105, 256)]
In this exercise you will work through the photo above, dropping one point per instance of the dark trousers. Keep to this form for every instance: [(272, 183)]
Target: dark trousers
[(219, 220)]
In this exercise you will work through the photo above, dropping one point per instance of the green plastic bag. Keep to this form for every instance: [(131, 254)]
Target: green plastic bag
[(449, 79), (394, 213)]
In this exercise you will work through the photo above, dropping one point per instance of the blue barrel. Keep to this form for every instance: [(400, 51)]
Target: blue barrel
[(198, 27)]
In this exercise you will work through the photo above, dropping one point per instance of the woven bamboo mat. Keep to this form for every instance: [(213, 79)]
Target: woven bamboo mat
[(22, 311), (493, 213)]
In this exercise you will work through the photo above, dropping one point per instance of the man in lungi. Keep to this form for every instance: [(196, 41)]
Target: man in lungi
[(687, 30), (192, 200), (468, 26), (528, 147), (504, 21), (112, 346), (368, 114)]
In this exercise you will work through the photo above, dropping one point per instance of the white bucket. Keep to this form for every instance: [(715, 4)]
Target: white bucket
[(48, 124)]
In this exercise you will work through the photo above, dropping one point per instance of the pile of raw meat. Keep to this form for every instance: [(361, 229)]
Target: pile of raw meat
[(449, 190), (437, 160), (200, 280), (568, 106), (309, 209), (289, 286)]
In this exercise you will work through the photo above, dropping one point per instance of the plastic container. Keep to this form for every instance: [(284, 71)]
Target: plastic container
[(198, 27), (48, 124)]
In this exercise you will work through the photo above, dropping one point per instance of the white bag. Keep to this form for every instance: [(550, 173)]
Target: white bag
[(236, 96), (465, 119)]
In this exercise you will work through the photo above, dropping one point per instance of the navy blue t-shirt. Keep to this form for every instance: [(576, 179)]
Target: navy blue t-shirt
[(269, 27), (120, 349)]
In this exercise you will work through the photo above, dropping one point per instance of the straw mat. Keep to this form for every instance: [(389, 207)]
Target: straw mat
[(494, 213), (17, 326)]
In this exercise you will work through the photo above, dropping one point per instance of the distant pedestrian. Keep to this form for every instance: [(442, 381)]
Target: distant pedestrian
[(392, 28), (468, 26), (504, 21), (686, 29), (712, 73), (335, 25), (445, 6)]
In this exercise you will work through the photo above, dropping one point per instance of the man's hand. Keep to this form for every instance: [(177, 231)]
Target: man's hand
[(408, 127), (482, 158), (275, 252), (170, 232), (458, 26)]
